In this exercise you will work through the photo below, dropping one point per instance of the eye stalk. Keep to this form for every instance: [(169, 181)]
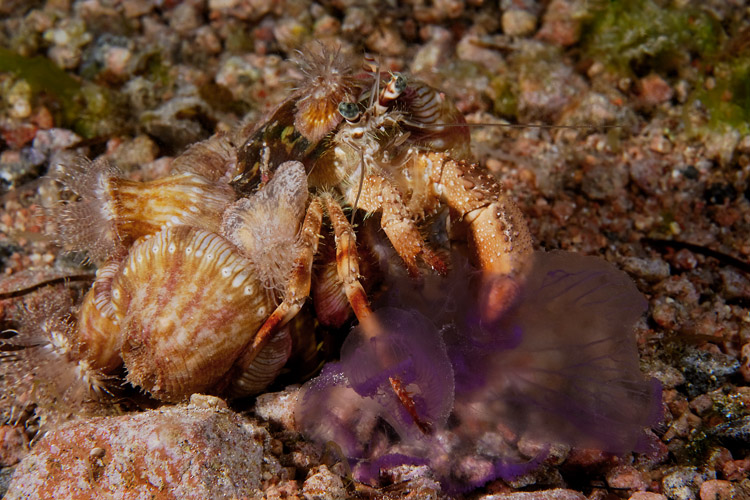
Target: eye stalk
[(349, 110), (394, 88)]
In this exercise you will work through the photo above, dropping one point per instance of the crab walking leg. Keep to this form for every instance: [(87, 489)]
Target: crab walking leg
[(297, 291), (497, 230), (378, 194), (347, 261)]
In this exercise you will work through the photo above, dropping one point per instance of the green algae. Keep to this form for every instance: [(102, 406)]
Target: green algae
[(638, 36), (41, 73), (727, 99), (87, 109), (505, 102)]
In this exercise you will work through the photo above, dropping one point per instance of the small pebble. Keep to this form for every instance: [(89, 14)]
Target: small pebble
[(736, 285), (702, 404), (386, 40), (660, 144), (626, 477), (646, 495), (357, 20), (14, 445), (185, 18), (651, 270), (655, 90), (517, 22), (278, 407), (604, 182), (716, 489), (136, 8), (222, 4), (720, 146), (745, 360), (682, 483), (555, 494), (706, 371), (561, 25), (736, 470), (207, 402), (322, 484), (19, 98)]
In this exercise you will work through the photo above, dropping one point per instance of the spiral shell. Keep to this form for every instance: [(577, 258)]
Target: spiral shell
[(187, 303), (111, 212), (143, 208), (98, 334)]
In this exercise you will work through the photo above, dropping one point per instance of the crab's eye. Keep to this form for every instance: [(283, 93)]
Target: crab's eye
[(399, 85), (349, 110)]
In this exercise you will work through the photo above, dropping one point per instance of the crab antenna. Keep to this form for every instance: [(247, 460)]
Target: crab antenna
[(361, 182), (410, 123), (54, 281), (375, 91)]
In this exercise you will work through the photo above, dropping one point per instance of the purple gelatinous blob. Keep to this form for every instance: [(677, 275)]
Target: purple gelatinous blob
[(561, 366), (404, 345), (575, 377), (328, 409)]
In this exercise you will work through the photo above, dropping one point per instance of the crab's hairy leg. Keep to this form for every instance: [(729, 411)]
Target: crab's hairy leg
[(497, 230), (347, 262), (380, 195), (347, 259), (297, 289)]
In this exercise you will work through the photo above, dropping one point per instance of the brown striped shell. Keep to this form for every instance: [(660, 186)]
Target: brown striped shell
[(110, 211), (143, 208), (98, 333), (187, 303)]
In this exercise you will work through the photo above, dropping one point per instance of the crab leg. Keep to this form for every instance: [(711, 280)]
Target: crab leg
[(297, 291), (347, 259), (348, 268), (379, 194), (497, 230)]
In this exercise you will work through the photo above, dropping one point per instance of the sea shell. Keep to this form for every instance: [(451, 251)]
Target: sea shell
[(110, 212), (188, 304), (143, 208), (98, 333)]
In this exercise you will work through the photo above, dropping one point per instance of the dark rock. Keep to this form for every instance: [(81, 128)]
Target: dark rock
[(683, 483), (706, 371), (734, 432), (717, 193)]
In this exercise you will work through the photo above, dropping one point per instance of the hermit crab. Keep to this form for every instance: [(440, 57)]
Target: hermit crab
[(195, 286), (201, 273)]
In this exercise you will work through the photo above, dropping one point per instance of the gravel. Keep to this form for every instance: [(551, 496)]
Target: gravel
[(656, 181)]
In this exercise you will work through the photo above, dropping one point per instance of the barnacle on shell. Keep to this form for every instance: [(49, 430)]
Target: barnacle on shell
[(265, 226)]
